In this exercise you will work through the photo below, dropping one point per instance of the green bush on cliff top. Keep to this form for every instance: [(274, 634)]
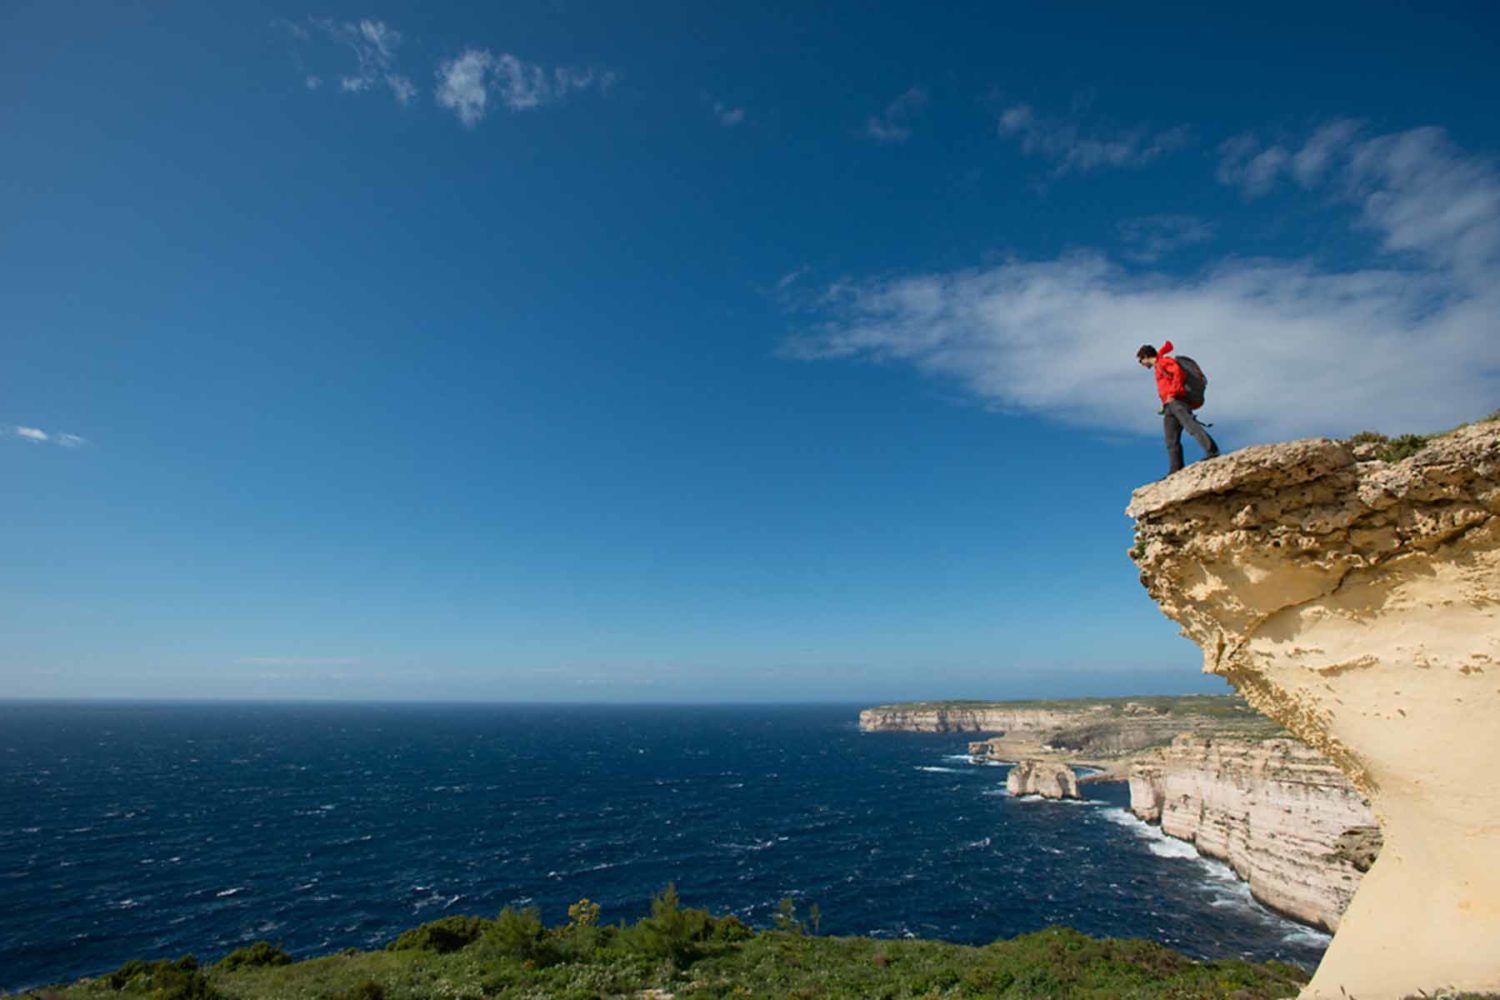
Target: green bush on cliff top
[(1404, 446)]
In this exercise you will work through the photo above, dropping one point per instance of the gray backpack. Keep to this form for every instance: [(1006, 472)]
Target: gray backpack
[(1194, 382)]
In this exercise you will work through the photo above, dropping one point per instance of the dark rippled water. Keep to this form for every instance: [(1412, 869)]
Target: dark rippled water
[(137, 831)]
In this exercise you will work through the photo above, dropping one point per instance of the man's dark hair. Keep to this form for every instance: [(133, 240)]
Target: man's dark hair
[(1146, 351)]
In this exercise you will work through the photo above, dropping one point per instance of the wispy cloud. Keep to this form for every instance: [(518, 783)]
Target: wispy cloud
[(373, 43), (1291, 348), (1074, 149), (1414, 190), (461, 86), (467, 82), (38, 436), (1148, 238), (1254, 166), (894, 124), (790, 278)]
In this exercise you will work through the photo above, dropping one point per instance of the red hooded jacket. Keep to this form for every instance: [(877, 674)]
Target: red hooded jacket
[(1170, 380)]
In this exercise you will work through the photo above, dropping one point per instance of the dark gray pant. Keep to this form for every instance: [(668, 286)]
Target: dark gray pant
[(1176, 417)]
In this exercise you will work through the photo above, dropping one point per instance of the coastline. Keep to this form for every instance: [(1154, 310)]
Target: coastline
[(1231, 790)]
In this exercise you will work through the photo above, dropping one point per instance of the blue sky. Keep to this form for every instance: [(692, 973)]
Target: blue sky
[(690, 351)]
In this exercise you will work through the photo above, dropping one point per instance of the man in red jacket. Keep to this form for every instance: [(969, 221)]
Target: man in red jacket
[(1171, 386)]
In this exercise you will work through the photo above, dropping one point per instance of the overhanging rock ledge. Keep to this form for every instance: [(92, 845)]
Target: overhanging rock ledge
[(1358, 604)]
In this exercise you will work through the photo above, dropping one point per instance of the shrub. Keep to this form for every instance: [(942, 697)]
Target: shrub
[(365, 989), (441, 936), (669, 931), (583, 914), (165, 980), (261, 953), (519, 934), (677, 934), (729, 929), (581, 938), (1391, 449), (786, 916)]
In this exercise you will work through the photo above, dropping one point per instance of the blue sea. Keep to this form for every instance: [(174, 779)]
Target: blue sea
[(131, 830)]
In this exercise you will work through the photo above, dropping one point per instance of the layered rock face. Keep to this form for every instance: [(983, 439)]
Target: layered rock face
[(1358, 604), (960, 719), (1280, 814), (1046, 778)]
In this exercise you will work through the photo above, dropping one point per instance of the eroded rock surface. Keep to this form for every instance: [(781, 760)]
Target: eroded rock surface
[(1283, 817), (1358, 604), (1047, 778)]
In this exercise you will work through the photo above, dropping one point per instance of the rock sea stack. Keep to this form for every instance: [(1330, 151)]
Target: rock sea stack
[(1049, 779)]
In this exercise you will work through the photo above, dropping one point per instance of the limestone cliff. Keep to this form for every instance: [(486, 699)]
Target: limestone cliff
[(1048, 779), (1279, 813), (1358, 604), (961, 717)]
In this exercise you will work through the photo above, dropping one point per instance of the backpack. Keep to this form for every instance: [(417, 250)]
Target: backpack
[(1194, 382)]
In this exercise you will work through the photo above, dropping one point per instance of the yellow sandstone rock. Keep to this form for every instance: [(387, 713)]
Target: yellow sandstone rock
[(1358, 604)]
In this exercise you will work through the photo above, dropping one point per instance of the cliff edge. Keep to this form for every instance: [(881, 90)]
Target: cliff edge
[(1358, 604)]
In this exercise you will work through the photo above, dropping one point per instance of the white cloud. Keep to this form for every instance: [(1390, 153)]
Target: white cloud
[(894, 123), (461, 86), (466, 83), (1290, 348), (1066, 144), (38, 436), (1148, 238), (374, 44)]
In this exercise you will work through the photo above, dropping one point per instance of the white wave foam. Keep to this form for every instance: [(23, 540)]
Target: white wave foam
[(1171, 847), (1307, 935), (231, 892), (941, 770), (1228, 890), (1157, 843)]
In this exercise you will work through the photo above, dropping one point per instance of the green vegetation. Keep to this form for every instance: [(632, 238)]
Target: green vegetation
[(1404, 446), (162, 980), (1394, 449), (694, 955), (257, 954), (442, 936)]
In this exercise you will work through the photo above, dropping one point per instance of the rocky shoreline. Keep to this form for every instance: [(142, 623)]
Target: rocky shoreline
[(1283, 817)]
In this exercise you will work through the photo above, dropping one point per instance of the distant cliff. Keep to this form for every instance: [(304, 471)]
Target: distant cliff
[(1088, 726), (963, 717), (1357, 602), (1281, 814)]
